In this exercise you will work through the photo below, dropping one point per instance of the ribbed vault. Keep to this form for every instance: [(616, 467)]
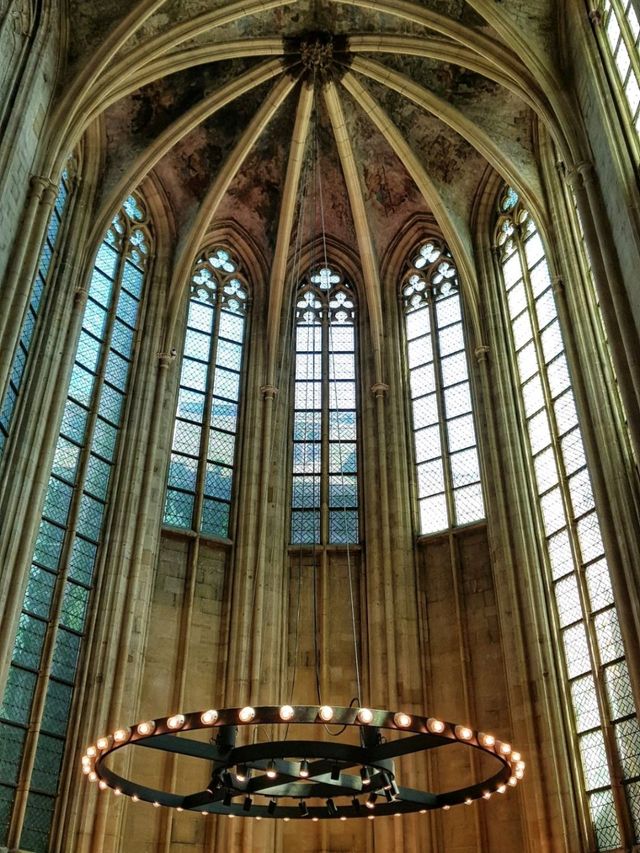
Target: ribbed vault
[(215, 100)]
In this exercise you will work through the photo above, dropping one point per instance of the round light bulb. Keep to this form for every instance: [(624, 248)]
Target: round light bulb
[(247, 714), (117, 791), (258, 817), (102, 785), (102, 743), (304, 769), (156, 805), (515, 756), (446, 808), (135, 799), (93, 776), (487, 795), (513, 781), (487, 740), (519, 774), (92, 751), (468, 801), (286, 713), (204, 813), (287, 819), (272, 771), (343, 817), (86, 760), (326, 713), (120, 735), (86, 769), (371, 816), (423, 811), (365, 716), (435, 726), (179, 809), (209, 717), (520, 765), (176, 722), (505, 748), (402, 720), (315, 819), (463, 733), (501, 789), (146, 728)]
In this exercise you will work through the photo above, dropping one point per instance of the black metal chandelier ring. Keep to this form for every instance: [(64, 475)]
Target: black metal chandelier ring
[(301, 779)]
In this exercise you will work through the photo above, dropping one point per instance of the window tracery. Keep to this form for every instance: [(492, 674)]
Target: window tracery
[(203, 449), (605, 720), (324, 503), (444, 438)]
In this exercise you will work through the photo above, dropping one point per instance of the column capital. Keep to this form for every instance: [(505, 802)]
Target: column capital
[(595, 16), (379, 389), (557, 285), (269, 392), (481, 353), (585, 167), (166, 358), (43, 188)]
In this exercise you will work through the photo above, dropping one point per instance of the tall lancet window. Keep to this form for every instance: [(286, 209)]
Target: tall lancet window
[(446, 456), (203, 449), (324, 503), (604, 716), (36, 705), (46, 269), (621, 28)]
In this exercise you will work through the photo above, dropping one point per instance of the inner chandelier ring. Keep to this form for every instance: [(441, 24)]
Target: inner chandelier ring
[(302, 779)]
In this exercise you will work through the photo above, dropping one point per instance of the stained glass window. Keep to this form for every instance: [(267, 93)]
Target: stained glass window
[(50, 250), (203, 449), (605, 719), (62, 572), (619, 23), (324, 502), (444, 437)]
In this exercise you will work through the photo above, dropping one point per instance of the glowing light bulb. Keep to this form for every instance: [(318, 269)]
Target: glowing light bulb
[(423, 811), (371, 816), (156, 805), (117, 791), (520, 765), (93, 776), (258, 817), (402, 720), (515, 756), (86, 769), (176, 722), (487, 795), (505, 748), (463, 733), (435, 726), (179, 809), (343, 817), (120, 735), (286, 713), (272, 770), (247, 714), (102, 785), (446, 808), (304, 769), (365, 715), (468, 801), (286, 819), (146, 728), (487, 740), (135, 799), (92, 751), (102, 743), (513, 781), (209, 717), (519, 774), (326, 713), (204, 813), (501, 789), (86, 760)]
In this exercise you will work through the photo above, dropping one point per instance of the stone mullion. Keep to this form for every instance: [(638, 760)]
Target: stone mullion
[(613, 759), (578, 569), (529, 550), (442, 419), (109, 604), (206, 418), (324, 422), (46, 661)]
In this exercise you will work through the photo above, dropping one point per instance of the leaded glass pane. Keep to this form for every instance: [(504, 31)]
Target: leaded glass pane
[(18, 695), (11, 741), (37, 823)]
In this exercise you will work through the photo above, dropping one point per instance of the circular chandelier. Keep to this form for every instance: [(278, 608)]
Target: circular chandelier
[(302, 779)]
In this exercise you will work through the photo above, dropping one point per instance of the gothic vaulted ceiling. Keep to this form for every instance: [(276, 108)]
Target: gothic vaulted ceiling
[(402, 105)]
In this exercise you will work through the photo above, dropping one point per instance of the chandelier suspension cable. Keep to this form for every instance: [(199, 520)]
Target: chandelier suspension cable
[(332, 355)]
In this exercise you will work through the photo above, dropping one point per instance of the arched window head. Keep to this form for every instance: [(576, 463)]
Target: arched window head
[(324, 502), (62, 572), (203, 449), (604, 716), (446, 456)]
